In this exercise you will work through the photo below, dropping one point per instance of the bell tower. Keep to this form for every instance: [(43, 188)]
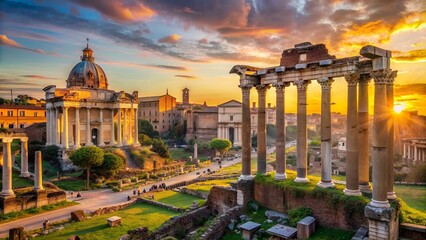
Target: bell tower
[(185, 96)]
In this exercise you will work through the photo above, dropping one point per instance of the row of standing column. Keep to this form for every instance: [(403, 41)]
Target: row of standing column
[(357, 132), (58, 130), (413, 153)]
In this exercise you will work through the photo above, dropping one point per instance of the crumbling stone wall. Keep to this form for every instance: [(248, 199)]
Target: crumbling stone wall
[(221, 199), (328, 212), (216, 229)]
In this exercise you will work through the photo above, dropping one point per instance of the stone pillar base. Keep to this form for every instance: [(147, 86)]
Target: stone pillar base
[(246, 177), (24, 175), (326, 184), (41, 198), (301, 180), (136, 144), (391, 195), (382, 222), (352, 192), (245, 191), (365, 188), (280, 176), (7, 204)]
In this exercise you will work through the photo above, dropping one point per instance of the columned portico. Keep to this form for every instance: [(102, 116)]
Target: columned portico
[(246, 134), (24, 157), (7, 169), (325, 132), (280, 137), (302, 132), (261, 129), (363, 135), (352, 137)]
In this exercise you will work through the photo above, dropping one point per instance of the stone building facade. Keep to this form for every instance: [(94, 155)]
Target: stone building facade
[(87, 113), (21, 116), (160, 111)]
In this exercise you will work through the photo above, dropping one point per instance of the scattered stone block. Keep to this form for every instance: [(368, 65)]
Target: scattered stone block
[(305, 227), (114, 221), (243, 217), (360, 234), (16, 233), (275, 216), (248, 229), (282, 231), (254, 206), (78, 216)]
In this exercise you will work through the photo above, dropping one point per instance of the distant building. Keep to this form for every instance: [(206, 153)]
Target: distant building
[(160, 111), (204, 123), (414, 151), (230, 121), (21, 116)]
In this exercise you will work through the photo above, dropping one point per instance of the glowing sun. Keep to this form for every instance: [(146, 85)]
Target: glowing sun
[(399, 108)]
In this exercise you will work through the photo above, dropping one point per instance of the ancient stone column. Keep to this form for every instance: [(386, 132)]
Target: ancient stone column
[(352, 137), (390, 139), (195, 151), (136, 140), (101, 128), (125, 140), (302, 132), (363, 135), (129, 128), (55, 127), (38, 171), (7, 169), (24, 157), (77, 128), (261, 129), (325, 132), (380, 136), (246, 134), (48, 128), (88, 130), (119, 136), (65, 128), (112, 142), (280, 137)]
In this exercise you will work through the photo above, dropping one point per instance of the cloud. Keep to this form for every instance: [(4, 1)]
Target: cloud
[(410, 89), (139, 65), (186, 76), (172, 39), (203, 41), (4, 40), (410, 56), (38, 77), (17, 82), (119, 11)]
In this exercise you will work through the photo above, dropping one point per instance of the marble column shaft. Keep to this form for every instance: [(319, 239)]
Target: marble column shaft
[(363, 135), (302, 132), (246, 133), (77, 128), (65, 128), (112, 142), (7, 169), (24, 157), (380, 135), (326, 132), (38, 170), (119, 136), (48, 128), (101, 128), (125, 137), (88, 130), (352, 137), (261, 129), (390, 139), (280, 136), (136, 140)]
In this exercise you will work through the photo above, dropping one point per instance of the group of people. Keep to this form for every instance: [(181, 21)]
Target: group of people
[(72, 194)]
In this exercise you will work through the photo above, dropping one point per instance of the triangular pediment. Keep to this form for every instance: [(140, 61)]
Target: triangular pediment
[(231, 103)]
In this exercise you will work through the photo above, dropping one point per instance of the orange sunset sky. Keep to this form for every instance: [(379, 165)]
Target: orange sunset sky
[(154, 45)]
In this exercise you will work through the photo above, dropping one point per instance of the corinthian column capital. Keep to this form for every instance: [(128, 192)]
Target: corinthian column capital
[(301, 84), (364, 78), (383, 76), (325, 83), (352, 78), (263, 88), (245, 88)]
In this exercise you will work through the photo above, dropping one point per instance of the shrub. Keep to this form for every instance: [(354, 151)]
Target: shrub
[(87, 157), (110, 166), (297, 214), (161, 148), (144, 140), (50, 153)]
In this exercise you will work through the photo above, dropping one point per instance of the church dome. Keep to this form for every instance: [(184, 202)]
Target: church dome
[(87, 73)]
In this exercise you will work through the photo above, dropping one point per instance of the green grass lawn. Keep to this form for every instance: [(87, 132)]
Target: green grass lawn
[(207, 185), (414, 196), (173, 198), (334, 177), (72, 184), (137, 215), (17, 182), (180, 153)]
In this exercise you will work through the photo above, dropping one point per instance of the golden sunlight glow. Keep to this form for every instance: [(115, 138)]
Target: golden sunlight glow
[(399, 108)]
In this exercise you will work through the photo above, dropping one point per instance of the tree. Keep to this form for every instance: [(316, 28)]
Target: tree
[(145, 127), (220, 145), (144, 139), (110, 166), (160, 147), (87, 157)]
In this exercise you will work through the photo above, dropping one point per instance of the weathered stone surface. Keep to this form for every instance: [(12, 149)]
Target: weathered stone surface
[(16, 233), (275, 216), (360, 234), (282, 231), (305, 227), (78, 216), (114, 221)]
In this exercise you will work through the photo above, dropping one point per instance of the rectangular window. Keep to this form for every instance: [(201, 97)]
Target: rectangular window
[(22, 113), (231, 118), (302, 57), (35, 114), (10, 113), (21, 126), (11, 126)]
